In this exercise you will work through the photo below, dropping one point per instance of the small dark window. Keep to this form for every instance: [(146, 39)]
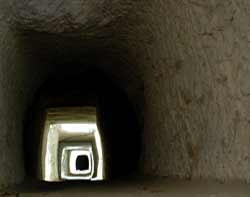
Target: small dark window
[(82, 163)]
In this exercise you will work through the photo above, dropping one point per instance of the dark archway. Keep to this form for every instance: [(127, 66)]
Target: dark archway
[(116, 118)]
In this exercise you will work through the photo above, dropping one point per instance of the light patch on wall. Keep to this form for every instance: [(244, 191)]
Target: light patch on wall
[(85, 128)]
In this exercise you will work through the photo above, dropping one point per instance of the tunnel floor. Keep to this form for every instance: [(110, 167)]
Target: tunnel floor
[(135, 187)]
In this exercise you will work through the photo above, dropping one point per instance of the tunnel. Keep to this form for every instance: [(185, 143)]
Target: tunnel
[(116, 120), (171, 76)]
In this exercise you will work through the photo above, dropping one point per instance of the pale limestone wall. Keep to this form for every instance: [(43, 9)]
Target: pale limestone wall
[(184, 63), (197, 105)]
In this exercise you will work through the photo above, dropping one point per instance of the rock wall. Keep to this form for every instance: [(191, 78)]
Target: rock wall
[(18, 81), (197, 90), (184, 64)]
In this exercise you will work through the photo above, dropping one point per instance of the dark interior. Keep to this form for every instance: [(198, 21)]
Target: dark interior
[(82, 163)]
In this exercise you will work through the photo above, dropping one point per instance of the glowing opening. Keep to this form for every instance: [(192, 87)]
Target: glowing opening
[(60, 162), (76, 127)]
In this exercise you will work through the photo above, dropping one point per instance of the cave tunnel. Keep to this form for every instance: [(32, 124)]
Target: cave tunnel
[(116, 120), (162, 86)]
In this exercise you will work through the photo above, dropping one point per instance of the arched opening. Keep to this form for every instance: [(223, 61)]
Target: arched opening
[(34, 57), (116, 120)]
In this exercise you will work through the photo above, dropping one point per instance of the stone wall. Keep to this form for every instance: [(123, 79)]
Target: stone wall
[(197, 90), (18, 81)]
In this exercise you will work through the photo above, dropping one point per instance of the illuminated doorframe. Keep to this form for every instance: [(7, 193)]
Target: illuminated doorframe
[(70, 125)]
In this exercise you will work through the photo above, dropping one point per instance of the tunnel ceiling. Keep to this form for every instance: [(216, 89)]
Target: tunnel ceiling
[(84, 34)]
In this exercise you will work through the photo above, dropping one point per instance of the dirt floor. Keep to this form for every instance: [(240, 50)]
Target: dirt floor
[(150, 187)]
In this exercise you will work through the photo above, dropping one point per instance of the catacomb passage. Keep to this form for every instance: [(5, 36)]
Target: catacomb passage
[(81, 112), (183, 65)]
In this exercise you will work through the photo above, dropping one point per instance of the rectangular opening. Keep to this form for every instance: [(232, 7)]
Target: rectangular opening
[(82, 163)]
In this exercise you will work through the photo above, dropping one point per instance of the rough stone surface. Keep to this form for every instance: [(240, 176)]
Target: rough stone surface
[(185, 65), (70, 16), (10, 105), (197, 90), (19, 78)]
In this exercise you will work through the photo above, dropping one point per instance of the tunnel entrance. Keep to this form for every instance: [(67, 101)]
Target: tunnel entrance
[(116, 120)]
